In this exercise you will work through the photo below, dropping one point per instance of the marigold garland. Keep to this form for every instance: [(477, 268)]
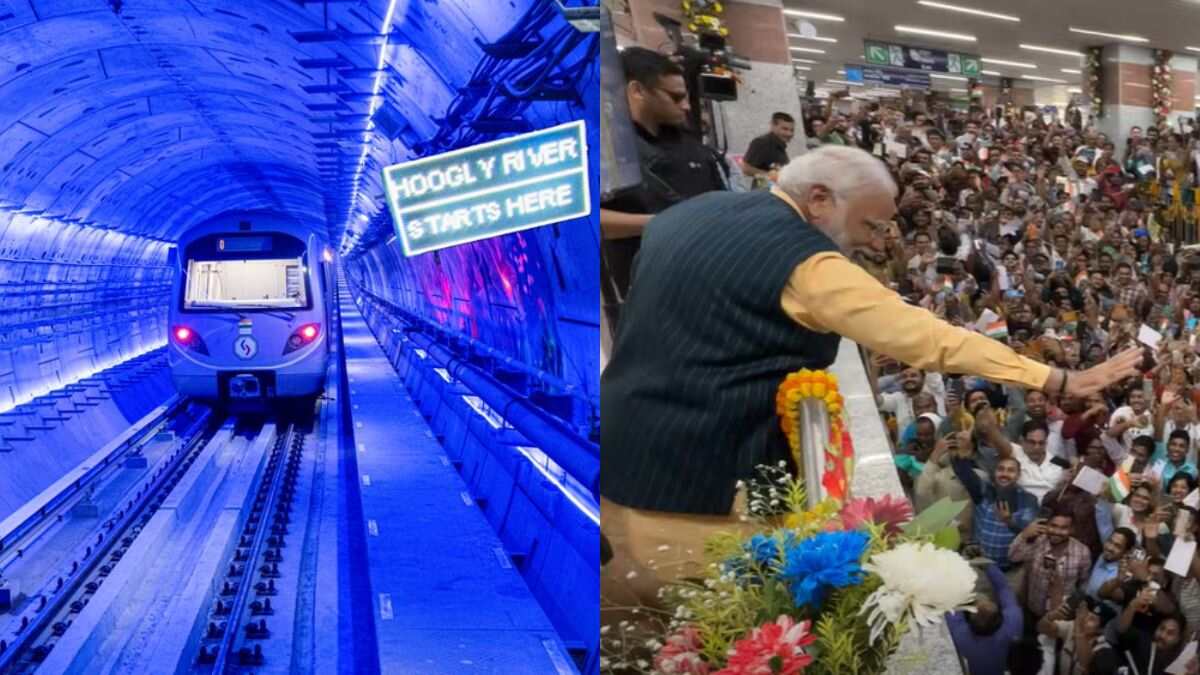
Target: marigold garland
[(1094, 81), (1161, 87), (838, 453)]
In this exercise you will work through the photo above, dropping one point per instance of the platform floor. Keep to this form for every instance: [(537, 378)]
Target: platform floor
[(445, 601)]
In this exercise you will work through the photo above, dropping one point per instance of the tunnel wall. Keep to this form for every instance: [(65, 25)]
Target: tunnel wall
[(76, 300), (532, 295)]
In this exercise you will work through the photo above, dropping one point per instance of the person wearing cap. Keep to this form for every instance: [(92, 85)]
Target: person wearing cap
[(911, 459)]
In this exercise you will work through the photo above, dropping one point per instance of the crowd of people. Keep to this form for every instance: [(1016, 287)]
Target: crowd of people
[(1042, 235)]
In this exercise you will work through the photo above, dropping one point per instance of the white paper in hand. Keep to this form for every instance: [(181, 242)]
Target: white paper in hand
[(1179, 665), (1192, 500), (1089, 480), (897, 149), (1149, 337), (1180, 559)]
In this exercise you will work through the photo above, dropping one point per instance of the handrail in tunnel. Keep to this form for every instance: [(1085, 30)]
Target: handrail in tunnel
[(576, 455), (483, 352)]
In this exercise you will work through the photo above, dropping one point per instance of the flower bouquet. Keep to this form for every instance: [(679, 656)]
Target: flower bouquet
[(830, 591), (825, 587)]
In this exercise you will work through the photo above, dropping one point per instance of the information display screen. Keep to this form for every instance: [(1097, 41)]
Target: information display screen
[(244, 244)]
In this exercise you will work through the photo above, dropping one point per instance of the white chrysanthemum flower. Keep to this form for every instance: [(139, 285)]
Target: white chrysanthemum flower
[(920, 581)]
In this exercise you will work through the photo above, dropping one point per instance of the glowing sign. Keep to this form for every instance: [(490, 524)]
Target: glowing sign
[(490, 189)]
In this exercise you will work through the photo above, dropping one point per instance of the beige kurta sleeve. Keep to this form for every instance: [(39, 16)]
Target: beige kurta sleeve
[(830, 294)]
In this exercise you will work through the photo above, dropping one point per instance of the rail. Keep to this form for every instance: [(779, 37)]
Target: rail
[(281, 465), (65, 591), (14, 529)]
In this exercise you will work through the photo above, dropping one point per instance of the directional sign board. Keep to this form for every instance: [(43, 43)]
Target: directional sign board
[(487, 190), (919, 58), (887, 77)]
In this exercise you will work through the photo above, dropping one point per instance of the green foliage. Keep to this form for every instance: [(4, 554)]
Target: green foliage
[(948, 538), (843, 643), (935, 518)]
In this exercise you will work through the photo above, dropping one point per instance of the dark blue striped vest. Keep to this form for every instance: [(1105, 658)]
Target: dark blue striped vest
[(688, 398)]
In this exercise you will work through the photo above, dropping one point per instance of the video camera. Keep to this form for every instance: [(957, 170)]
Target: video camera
[(707, 62)]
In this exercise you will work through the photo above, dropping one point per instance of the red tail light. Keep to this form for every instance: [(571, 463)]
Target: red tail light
[(188, 339), (302, 336)]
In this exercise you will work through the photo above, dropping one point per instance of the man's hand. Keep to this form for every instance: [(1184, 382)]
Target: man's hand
[(1092, 380), (1003, 512), (1140, 569), (1144, 600), (1036, 529)]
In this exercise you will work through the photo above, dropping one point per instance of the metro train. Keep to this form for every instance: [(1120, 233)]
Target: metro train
[(250, 311)]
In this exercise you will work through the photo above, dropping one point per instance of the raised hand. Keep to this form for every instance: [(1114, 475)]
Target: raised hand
[(1098, 377), (1003, 512)]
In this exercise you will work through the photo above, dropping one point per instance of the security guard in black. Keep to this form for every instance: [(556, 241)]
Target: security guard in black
[(675, 166)]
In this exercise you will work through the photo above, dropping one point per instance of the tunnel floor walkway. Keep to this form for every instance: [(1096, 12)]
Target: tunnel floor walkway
[(446, 598)]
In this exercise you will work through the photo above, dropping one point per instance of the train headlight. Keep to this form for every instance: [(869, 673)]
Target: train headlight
[(188, 339), (302, 336)]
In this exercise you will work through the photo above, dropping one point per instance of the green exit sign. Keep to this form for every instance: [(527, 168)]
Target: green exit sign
[(920, 58)]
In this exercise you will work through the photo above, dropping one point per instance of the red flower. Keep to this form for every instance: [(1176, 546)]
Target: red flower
[(887, 510), (771, 649), (681, 654)]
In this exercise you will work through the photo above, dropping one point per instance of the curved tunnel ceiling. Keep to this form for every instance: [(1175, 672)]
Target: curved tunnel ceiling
[(150, 117)]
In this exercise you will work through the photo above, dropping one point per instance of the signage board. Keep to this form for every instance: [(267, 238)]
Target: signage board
[(919, 58), (490, 189), (887, 77)]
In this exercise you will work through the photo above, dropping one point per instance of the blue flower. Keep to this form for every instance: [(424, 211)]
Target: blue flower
[(763, 549), (826, 560)]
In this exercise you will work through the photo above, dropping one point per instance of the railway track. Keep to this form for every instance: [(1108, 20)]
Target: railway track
[(241, 615), (55, 606)]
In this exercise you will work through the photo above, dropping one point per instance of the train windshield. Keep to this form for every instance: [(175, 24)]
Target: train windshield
[(273, 283)]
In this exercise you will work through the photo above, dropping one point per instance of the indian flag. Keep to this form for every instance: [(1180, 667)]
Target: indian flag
[(997, 329), (1120, 484)]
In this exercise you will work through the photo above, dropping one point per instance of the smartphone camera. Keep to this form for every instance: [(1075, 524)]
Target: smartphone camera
[(1148, 360)]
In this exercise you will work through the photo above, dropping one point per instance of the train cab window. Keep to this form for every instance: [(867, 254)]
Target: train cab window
[(245, 273), (233, 283)]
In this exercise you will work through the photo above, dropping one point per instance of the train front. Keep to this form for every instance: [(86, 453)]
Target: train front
[(248, 321)]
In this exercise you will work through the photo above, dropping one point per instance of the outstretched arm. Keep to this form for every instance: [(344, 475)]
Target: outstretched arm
[(828, 293)]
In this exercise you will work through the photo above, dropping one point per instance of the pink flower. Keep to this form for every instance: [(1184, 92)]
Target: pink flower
[(681, 654), (887, 510), (771, 649)]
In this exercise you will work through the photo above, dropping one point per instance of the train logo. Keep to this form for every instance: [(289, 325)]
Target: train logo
[(245, 347)]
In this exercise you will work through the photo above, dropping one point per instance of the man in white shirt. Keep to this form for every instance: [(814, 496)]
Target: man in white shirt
[(1040, 473), (1182, 416), (900, 403), (1131, 420), (1033, 405)]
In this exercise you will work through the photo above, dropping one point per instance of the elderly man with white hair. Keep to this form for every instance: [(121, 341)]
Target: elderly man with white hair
[(731, 292)]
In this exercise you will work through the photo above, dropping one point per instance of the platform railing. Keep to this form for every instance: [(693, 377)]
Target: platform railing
[(929, 650)]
